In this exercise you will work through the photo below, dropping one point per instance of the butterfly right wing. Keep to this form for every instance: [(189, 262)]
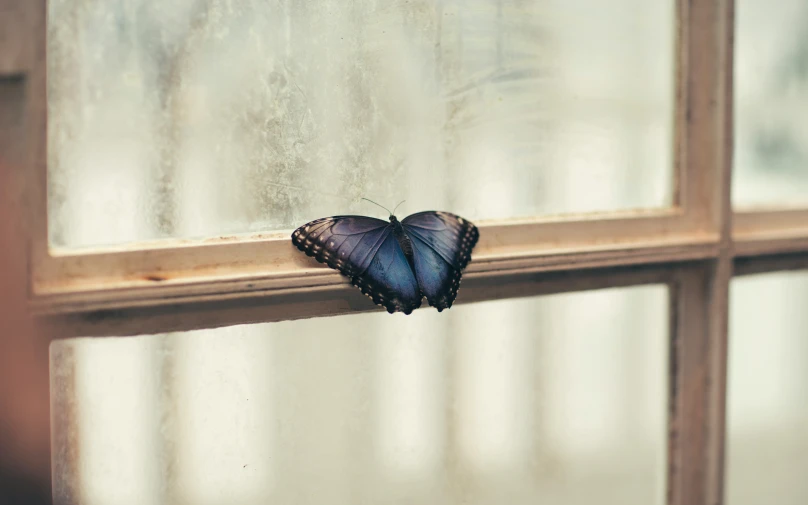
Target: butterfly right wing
[(442, 244), (365, 250)]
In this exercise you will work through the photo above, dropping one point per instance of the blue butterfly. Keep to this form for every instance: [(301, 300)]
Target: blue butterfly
[(397, 263)]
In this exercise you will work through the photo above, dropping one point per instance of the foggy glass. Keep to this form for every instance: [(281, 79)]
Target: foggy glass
[(556, 399), (767, 403), (197, 118), (771, 103)]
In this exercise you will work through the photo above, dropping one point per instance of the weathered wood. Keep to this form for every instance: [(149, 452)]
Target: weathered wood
[(700, 295), (332, 301)]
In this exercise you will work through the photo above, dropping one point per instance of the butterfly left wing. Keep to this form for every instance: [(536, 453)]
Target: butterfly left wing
[(442, 244), (365, 250)]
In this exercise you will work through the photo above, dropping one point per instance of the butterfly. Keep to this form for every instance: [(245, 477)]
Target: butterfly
[(395, 263)]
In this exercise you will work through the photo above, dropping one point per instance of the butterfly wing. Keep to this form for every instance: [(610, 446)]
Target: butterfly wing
[(442, 244), (365, 250)]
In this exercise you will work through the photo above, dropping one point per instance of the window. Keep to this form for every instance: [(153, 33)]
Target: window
[(165, 167)]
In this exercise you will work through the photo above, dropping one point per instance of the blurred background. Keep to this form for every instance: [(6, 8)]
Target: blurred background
[(199, 118)]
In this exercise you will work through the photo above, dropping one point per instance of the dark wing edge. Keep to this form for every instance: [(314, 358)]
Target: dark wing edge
[(449, 237), (322, 242), (338, 250)]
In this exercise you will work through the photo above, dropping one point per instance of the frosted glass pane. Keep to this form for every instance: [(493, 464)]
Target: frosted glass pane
[(196, 118), (771, 103), (559, 399), (767, 450)]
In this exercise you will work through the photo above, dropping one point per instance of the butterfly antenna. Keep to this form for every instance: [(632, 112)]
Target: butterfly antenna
[(382, 206), (394, 208)]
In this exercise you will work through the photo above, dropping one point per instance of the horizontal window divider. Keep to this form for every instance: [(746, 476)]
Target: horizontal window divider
[(274, 252), (331, 301), (770, 232), (310, 278), (273, 257)]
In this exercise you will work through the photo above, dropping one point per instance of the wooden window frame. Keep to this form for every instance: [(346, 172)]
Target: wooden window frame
[(695, 246)]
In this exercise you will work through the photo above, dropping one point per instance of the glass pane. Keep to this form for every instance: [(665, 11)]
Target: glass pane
[(767, 450), (196, 118), (771, 103), (559, 399)]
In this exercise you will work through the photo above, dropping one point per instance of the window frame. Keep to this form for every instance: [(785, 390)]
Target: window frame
[(694, 247), (103, 282)]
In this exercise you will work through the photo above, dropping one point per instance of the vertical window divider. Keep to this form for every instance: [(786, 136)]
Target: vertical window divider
[(700, 295)]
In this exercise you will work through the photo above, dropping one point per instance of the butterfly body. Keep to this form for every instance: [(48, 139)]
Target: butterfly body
[(397, 263), (403, 240)]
